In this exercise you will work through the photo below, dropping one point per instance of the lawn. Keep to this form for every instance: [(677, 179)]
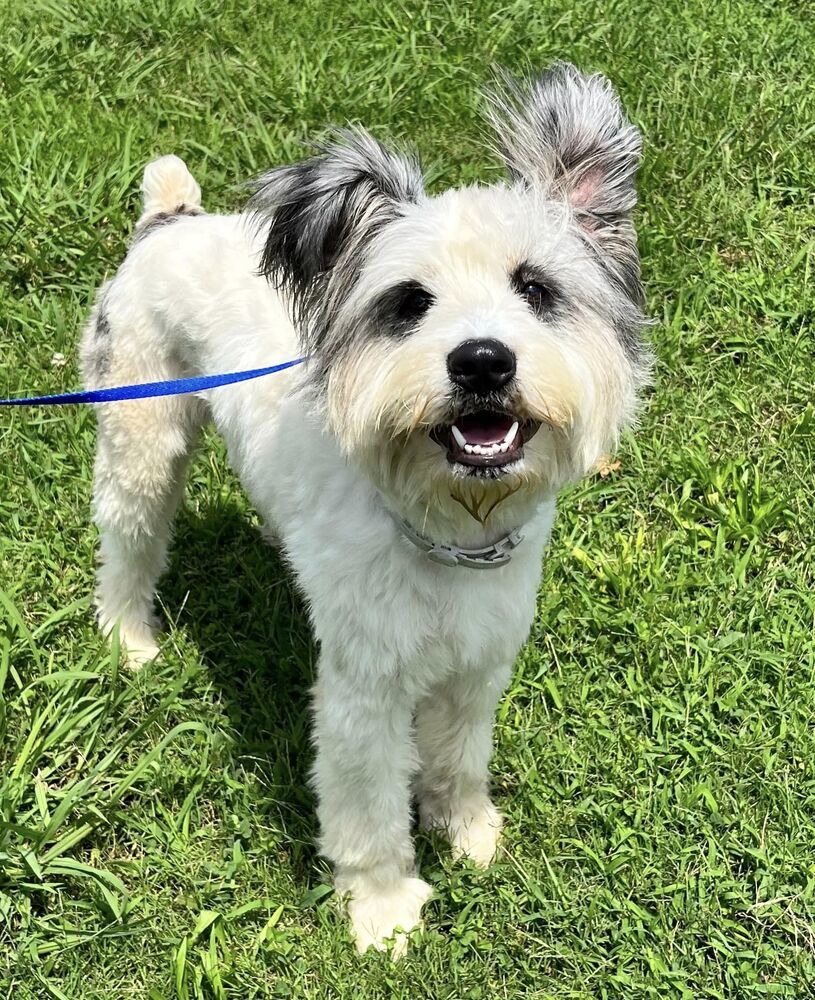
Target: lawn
[(656, 751)]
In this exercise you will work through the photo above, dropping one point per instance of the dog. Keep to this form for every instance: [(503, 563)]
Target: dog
[(467, 355)]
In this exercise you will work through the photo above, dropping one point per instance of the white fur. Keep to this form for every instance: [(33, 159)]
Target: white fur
[(413, 655)]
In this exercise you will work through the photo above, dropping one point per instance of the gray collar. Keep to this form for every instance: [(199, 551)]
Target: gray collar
[(497, 554)]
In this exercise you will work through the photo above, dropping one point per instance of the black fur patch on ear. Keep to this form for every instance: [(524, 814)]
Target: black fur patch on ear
[(322, 212)]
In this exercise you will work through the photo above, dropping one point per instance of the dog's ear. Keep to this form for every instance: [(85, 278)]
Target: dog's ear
[(566, 134), (329, 206)]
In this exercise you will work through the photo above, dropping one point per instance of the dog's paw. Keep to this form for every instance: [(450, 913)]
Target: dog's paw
[(137, 642), (476, 836), (139, 652), (474, 833), (387, 913)]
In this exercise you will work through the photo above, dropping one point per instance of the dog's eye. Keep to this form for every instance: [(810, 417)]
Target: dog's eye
[(402, 306), (539, 297), (414, 301)]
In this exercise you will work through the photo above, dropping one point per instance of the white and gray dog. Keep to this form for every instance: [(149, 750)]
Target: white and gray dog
[(469, 353)]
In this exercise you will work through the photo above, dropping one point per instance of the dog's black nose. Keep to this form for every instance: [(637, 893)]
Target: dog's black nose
[(481, 366)]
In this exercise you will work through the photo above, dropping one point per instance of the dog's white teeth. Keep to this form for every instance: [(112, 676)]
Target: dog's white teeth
[(510, 435), (490, 450)]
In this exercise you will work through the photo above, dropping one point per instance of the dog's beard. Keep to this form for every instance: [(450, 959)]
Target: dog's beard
[(479, 502), (413, 474)]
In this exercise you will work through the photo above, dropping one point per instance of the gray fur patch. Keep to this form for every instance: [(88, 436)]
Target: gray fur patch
[(102, 347), (102, 329), (162, 219), (623, 276)]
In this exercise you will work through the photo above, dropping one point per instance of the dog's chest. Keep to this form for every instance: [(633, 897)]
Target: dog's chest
[(399, 613), (478, 616)]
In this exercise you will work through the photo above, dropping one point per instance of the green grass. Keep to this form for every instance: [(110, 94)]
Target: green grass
[(656, 751)]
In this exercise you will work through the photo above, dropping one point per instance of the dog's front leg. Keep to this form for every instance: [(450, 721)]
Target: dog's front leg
[(366, 758), (454, 730)]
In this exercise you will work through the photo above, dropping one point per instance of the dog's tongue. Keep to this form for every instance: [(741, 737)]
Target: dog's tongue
[(484, 427)]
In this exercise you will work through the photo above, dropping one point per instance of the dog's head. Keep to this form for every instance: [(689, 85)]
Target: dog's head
[(484, 342)]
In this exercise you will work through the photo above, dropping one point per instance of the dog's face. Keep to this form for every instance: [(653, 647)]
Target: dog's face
[(486, 341)]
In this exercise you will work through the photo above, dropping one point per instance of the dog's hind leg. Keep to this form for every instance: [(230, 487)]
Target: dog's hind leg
[(141, 457)]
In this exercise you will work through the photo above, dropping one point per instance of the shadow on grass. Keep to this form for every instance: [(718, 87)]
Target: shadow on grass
[(232, 596)]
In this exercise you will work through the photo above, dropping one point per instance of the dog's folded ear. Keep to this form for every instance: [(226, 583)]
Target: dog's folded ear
[(566, 134), (328, 207)]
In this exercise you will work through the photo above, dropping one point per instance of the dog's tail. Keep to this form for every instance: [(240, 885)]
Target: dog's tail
[(169, 189)]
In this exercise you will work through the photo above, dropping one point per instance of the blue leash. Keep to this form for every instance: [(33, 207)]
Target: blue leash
[(172, 387)]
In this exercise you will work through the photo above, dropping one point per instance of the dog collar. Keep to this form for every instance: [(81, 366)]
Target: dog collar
[(497, 554)]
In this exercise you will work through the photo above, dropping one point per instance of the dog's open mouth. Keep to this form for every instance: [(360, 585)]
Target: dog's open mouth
[(486, 439)]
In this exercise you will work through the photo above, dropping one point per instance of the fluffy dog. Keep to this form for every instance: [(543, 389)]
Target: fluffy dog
[(469, 353)]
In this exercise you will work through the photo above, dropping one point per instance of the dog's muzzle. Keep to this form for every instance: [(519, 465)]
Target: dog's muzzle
[(484, 435)]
